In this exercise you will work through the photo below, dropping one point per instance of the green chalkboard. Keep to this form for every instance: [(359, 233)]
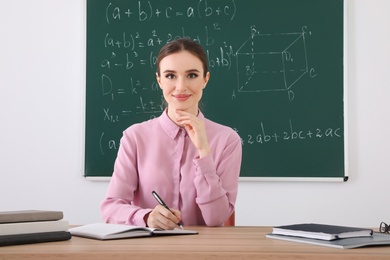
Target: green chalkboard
[(277, 78)]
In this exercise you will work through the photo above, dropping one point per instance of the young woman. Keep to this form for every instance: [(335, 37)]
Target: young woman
[(190, 161)]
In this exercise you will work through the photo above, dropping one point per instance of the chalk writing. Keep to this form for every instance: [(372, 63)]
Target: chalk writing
[(272, 62), (291, 133), (145, 11)]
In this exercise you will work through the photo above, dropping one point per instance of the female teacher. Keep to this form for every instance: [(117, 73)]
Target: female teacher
[(191, 162)]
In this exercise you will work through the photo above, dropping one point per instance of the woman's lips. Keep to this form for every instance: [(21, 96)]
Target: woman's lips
[(181, 97)]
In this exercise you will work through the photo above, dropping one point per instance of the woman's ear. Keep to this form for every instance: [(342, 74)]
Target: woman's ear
[(206, 79), (158, 79)]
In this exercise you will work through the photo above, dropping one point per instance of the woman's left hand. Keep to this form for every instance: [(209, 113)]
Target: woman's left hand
[(196, 130)]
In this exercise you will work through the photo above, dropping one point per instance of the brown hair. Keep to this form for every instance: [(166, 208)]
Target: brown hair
[(183, 44)]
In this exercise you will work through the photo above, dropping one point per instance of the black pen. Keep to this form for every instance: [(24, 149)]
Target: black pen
[(165, 206)]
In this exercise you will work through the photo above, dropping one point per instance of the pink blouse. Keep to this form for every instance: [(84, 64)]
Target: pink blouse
[(158, 155)]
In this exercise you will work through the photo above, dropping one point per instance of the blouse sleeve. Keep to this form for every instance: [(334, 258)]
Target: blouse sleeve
[(216, 182), (117, 206)]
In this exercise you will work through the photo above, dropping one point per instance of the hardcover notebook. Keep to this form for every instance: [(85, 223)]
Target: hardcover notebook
[(377, 239), (33, 227), (21, 239), (103, 231), (321, 231), (29, 215)]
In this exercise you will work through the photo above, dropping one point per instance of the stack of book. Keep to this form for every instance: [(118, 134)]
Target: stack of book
[(329, 235), (32, 226)]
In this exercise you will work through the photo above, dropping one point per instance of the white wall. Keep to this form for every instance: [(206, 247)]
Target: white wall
[(42, 114)]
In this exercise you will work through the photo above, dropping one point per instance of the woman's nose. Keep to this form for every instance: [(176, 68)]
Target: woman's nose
[(180, 84)]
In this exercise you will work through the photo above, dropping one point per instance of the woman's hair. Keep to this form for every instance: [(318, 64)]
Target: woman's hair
[(183, 44)]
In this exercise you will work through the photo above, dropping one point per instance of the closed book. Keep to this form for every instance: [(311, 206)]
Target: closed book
[(321, 231), (32, 238), (33, 227), (29, 215), (103, 231)]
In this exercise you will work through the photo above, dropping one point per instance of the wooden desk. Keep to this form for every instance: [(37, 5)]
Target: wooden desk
[(211, 243)]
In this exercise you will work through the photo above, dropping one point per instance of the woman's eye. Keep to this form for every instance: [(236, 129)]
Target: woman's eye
[(192, 75), (170, 76)]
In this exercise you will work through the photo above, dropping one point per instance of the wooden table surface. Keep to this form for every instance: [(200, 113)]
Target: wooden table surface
[(211, 243)]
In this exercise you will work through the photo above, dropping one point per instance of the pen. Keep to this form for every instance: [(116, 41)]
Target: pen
[(165, 206)]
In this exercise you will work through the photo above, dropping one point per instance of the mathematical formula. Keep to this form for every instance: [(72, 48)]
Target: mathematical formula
[(290, 133), (145, 11)]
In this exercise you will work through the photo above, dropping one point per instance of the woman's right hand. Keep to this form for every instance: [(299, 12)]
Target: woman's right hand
[(162, 218)]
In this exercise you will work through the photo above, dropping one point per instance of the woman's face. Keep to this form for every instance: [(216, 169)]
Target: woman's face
[(182, 82)]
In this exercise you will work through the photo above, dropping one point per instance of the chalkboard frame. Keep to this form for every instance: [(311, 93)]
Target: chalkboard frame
[(289, 179)]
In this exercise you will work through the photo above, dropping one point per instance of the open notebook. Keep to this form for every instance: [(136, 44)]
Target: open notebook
[(105, 231)]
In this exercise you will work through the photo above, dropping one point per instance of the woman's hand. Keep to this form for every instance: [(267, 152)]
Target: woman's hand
[(196, 130), (162, 218)]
